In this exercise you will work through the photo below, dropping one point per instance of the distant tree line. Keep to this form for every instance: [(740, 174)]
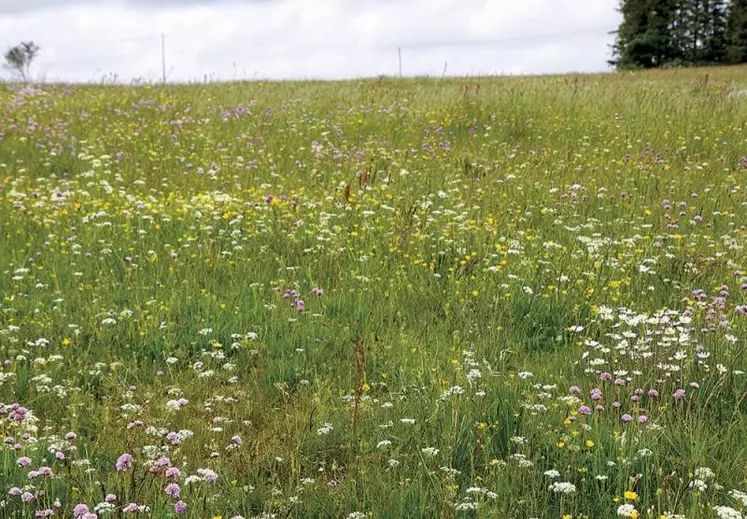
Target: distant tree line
[(674, 33)]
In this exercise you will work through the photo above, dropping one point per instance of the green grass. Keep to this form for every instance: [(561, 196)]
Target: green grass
[(486, 250)]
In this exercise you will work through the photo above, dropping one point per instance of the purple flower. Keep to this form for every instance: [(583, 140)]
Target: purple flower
[(173, 472), (741, 310), (124, 462), (599, 408), (180, 507), (45, 471), (60, 455), (575, 390), (71, 436), (23, 461), (236, 440), (89, 515), (596, 394), (616, 405), (44, 513), (584, 410), (173, 490), (110, 498), (80, 509), (15, 491), (642, 419), (652, 393), (208, 475), (317, 291), (619, 382), (679, 394), (626, 418), (604, 377), (300, 305)]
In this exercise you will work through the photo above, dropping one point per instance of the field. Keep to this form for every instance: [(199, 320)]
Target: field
[(494, 297)]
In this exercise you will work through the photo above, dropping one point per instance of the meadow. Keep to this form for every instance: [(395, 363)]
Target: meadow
[(381, 298)]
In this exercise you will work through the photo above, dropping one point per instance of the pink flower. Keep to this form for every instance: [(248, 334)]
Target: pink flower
[(124, 462), (173, 490), (80, 509), (642, 419), (180, 507), (584, 410), (626, 418), (679, 394)]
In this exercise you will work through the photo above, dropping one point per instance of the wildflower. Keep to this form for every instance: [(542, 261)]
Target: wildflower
[(180, 507), (172, 490), (726, 512), (561, 487), (627, 510), (642, 419), (80, 509), (626, 418), (584, 410), (679, 394), (124, 462), (630, 495)]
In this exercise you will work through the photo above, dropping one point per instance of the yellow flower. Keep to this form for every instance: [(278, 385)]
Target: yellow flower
[(589, 444), (66, 342), (567, 516), (630, 495), (560, 445)]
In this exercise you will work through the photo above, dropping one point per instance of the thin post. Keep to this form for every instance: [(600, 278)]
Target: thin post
[(163, 56)]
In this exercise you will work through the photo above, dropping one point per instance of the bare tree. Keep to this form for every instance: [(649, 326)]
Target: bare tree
[(18, 59)]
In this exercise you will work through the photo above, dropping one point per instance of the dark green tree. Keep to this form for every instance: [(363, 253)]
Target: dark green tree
[(645, 37), (736, 32)]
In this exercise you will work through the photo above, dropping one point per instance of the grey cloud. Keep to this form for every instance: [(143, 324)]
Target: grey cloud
[(230, 39)]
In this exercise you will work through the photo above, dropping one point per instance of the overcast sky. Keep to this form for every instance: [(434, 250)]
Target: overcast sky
[(233, 39)]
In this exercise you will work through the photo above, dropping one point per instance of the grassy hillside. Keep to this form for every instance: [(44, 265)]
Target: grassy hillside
[(501, 297)]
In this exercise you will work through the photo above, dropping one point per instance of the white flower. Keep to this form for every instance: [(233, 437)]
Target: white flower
[(562, 487), (626, 510), (704, 473), (429, 451), (383, 444), (525, 375), (324, 429), (356, 515), (727, 512), (552, 473), (392, 462), (739, 496)]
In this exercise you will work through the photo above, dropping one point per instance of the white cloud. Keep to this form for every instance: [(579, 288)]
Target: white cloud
[(300, 39)]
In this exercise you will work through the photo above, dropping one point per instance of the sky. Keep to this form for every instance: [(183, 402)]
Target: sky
[(92, 40)]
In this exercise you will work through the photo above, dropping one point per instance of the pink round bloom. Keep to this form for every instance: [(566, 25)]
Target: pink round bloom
[(45, 471), (619, 382), (15, 491), (180, 507), (599, 408), (596, 394), (236, 440), (642, 419), (173, 490), (23, 461), (634, 398), (27, 497), (652, 393), (616, 405), (71, 436), (80, 509), (44, 513), (173, 472), (626, 418), (110, 498), (89, 515), (575, 390), (300, 305), (604, 377), (60, 455), (124, 462), (679, 394), (584, 410)]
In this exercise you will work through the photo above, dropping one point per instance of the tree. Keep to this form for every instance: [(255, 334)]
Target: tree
[(736, 32), (19, 58), (645, 38)]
